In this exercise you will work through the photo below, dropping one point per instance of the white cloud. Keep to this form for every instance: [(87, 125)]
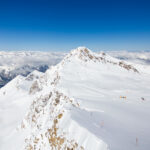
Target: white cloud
[(24, 62), (135, 57)]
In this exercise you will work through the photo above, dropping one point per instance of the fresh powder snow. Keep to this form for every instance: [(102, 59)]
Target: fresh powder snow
[(88, 101)]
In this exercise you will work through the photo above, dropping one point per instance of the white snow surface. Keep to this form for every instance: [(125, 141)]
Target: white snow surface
[(88, 101), (13, 63)]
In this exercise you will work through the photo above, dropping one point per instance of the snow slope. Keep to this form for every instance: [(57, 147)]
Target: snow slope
[(88, 101), (24, 62)]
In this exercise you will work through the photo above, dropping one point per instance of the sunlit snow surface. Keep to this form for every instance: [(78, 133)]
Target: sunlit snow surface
[(15, 63), (24, 62), (103, 105)]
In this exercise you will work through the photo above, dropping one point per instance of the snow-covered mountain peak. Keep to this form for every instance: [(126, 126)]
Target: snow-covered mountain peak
[(34, 75), (87, 101), (80, 51), (86, 56), (83, 54)]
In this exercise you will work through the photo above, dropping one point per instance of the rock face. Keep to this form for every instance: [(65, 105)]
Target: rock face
[(87, 101)]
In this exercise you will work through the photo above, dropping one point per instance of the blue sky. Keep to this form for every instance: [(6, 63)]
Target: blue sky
[(65, 24)]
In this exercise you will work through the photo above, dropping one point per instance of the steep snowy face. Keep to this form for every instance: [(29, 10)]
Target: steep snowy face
[(88, 101), (14, 103)]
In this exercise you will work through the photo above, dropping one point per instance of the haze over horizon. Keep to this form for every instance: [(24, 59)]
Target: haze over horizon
[(47, 25)]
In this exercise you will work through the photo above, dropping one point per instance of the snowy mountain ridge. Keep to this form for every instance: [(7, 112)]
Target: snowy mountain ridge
[(24, 62), (87, 101), (85, 55)]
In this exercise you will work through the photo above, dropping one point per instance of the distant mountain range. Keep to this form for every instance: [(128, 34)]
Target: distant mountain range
[(23, 63)]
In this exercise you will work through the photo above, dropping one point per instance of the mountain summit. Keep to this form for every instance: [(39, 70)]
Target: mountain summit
[(87, 101)]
